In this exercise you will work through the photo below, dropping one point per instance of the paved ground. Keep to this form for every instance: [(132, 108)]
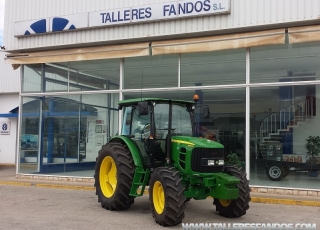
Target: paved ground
[(29, 207)]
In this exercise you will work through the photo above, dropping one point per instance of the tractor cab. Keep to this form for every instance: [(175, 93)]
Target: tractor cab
[(152, 123)]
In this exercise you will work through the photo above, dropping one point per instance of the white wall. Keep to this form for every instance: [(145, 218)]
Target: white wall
[(9, 78), (8, 142)]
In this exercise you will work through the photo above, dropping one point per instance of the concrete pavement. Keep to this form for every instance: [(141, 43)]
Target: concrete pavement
[(8, 177)]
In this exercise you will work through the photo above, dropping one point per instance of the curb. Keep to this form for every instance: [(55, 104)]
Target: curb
[(255, 199)]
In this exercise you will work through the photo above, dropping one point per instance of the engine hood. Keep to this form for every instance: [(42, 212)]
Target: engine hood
[(196, 142)]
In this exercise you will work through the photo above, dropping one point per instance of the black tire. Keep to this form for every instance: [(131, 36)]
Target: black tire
[(275, 172), (114, 195), (237, 207), (166, 196)]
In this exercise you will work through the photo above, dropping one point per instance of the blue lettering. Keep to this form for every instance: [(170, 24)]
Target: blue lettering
[(182, 8), (221, 8), (148, 12), (189, 10), (135, 14), (206, 5), (103, 16), (126, 15), (141, 13), (172, 10), (215, 7), (113, 19), (107, 18), (165, 9), (197, 7), (119, 17)]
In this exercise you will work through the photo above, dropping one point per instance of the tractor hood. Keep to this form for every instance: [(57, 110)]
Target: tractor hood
[(196, 142)]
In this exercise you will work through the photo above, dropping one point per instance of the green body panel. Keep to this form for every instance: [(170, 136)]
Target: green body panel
[(201, 185), (135, 152), (217, 185), (189, 143)]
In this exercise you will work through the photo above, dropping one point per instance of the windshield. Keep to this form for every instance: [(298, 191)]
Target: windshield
[(181, 122), (138, 123)]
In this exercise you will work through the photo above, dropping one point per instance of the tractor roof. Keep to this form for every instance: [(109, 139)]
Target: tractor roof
[(135, 101)]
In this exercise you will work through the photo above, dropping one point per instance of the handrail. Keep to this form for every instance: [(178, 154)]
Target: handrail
[(285, 116)]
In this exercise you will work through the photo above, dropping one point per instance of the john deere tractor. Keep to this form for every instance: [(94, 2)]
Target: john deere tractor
[(158, 147)]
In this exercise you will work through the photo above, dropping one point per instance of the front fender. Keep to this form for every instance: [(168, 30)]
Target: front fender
[(135, 152)]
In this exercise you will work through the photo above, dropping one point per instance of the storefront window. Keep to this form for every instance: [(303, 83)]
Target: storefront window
[(151, 72), (213, 68), (55, 78), (284, 117), (94, 75), (29, 135), (62, 135), (285, 63), (32, 78)]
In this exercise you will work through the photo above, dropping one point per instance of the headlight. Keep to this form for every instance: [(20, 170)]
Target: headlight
[(221, 162), (210, 162)]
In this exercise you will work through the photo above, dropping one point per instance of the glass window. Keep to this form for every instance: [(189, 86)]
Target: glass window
[(213, 68), (282, 119), (151, 72), (29, 135), (55, 78), (285, 63), (70, 129), (94, 75), (31, 80)]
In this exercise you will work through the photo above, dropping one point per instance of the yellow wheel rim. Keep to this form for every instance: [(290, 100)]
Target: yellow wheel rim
[(158, 197), (108, 177), (225, 203)]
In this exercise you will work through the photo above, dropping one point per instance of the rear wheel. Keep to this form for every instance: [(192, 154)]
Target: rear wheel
[(166, 196), (275, 172), (237, 207), (113, 176)]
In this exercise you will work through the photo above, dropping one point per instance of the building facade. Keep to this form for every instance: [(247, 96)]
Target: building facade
[(9, 99), (255, 63)]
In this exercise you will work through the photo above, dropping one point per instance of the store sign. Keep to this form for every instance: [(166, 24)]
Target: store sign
[(129, 15), (5, 127)]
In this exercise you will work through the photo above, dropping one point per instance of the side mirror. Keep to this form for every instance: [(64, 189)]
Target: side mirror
[(143, 108), (206, 112)]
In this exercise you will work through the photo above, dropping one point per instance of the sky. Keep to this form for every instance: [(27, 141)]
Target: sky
[(1, 20)]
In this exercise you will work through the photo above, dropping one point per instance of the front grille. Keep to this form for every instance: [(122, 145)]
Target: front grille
[(200, 154)]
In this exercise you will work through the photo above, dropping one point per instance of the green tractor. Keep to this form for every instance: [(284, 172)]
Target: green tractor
[(158, 148)]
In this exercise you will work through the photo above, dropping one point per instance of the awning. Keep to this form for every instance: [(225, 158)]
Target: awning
[(80, 54), (304, 34), (12, 113), (221, 42), (8, 115)]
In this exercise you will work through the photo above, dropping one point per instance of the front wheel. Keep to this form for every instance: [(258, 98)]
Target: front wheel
[(113, 176), (166, 196), (239, 206)]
